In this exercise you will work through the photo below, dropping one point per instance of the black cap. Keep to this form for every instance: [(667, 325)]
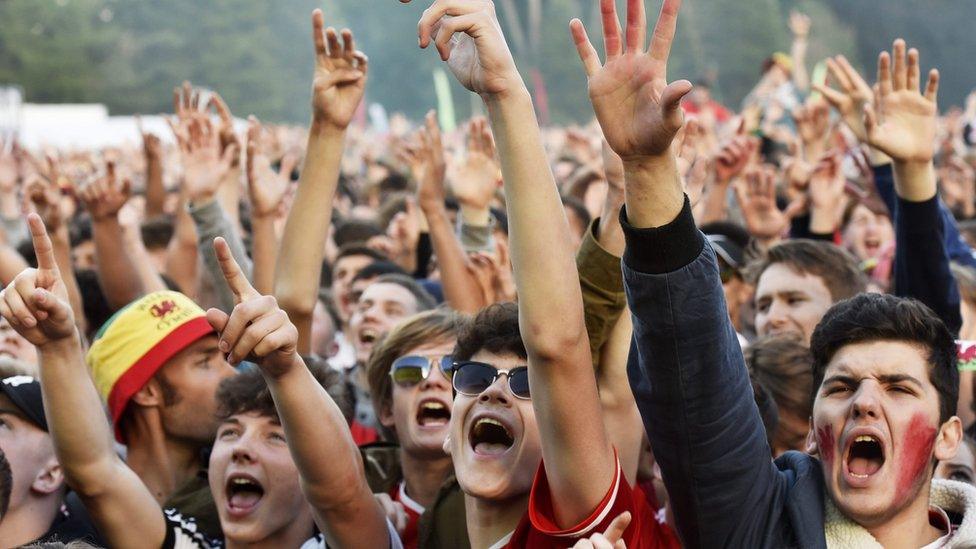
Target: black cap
[(25, 393), (727, 249)]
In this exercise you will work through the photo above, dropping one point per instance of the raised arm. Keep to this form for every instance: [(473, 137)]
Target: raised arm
[(800, 29), (579, 461), (694, 396), (257, 330), (117, 274), (426, 160), (152, 151), (36, 305), (266, 190), (337, 90), (903, 124)]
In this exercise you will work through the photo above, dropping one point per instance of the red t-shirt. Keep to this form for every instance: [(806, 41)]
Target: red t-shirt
[(413, 510), (538, 529)]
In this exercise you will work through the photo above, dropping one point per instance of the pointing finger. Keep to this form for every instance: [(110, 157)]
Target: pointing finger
[(42, 244), (233, 274)]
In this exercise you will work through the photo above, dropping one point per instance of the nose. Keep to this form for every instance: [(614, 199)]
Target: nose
[(497, 392), (777, 315), (242, 451), (436, 380), (865, 404)]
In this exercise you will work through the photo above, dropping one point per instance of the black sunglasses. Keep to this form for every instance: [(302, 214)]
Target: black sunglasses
[(471, 378), (410, 370)]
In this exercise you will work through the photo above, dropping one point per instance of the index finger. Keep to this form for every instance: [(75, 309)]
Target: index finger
[(43, 248), (233, 274), (616, 529)]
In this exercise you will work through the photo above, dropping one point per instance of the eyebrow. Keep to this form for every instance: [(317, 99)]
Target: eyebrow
[(887, 379)]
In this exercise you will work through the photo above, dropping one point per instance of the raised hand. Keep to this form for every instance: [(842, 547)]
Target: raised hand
[(228, 137), (9, 167), (853, 98), (425, 157), (340, 75), (813, 125), (36, 302), (757, 199), (477, 176), (152, 147), (826, 192), (638, 110), (903, 123), (478, 57), (799, 24), (105, 196), (266, 188), (204, 165), (734, 156), (257, 330)]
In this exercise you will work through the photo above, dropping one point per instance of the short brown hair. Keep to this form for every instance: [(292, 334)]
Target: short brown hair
[(837, 268), (784, 366), (412, 332), (248, 392), (494, 329)]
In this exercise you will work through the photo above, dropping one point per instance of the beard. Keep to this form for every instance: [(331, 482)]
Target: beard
[(6, 484)]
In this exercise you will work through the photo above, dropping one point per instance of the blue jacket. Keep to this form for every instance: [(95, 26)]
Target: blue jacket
[(690, 381)]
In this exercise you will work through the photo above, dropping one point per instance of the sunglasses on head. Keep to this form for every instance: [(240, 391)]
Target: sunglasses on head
[(471, 378), (412, 369)]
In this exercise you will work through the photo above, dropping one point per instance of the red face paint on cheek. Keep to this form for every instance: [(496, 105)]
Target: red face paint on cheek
[(916, 455), (825, 444)]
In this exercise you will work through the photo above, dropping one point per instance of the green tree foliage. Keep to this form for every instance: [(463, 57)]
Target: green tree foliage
[(130, 54)]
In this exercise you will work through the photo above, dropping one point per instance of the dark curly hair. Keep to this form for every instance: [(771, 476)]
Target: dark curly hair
[(494, 329), (877, 317)]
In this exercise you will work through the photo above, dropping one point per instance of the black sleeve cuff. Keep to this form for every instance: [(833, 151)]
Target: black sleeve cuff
[(663, 249), (919, 217)]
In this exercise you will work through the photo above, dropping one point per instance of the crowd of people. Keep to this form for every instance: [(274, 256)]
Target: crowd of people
[(678, 326)]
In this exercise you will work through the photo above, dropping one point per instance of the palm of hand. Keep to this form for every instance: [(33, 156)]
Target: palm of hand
[(475, 180), (430, 181), (480, 68), (762, 217), (908, 127), (201, 170), (333, 101), (268, 188), (53, 327), (626, 96)]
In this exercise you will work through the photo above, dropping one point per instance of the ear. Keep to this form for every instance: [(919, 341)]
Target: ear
[(812, 448), (948, 439), (50, 478), (447, 444), (150, 395), (386, 417)]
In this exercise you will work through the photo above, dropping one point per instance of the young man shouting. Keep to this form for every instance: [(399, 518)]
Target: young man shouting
[(885, 373)]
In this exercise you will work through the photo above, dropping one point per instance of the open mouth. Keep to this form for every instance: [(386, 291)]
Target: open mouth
[(872, 245), (865, 456), (433, 413), (244, 493), (490, 437), (368, 336)]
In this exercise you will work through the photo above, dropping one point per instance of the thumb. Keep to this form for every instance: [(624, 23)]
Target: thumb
[(344, 76), (218, 319), (44, 300), (671, 102)]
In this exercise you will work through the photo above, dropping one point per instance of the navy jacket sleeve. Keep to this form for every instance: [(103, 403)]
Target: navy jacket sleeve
[(690, 380), (921, 261), (956, 246)]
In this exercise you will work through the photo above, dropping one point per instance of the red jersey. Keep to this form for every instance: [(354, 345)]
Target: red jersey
[(413, 510), (538, 530)]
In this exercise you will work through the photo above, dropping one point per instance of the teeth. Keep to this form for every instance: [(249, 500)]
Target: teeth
[(241, 481), (490, 421), (859, 476), (864, 438), (434, 406)]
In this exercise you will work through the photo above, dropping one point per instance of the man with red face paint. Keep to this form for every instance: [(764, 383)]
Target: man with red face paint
[(885, 376)]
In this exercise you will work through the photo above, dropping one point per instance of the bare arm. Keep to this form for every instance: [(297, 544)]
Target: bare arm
[(37, 307), (182, 257), (578, 459), (152, 150), (266, 190), (259, 331), (800, 27), (338, 85), (426, 159), (117, 273)]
